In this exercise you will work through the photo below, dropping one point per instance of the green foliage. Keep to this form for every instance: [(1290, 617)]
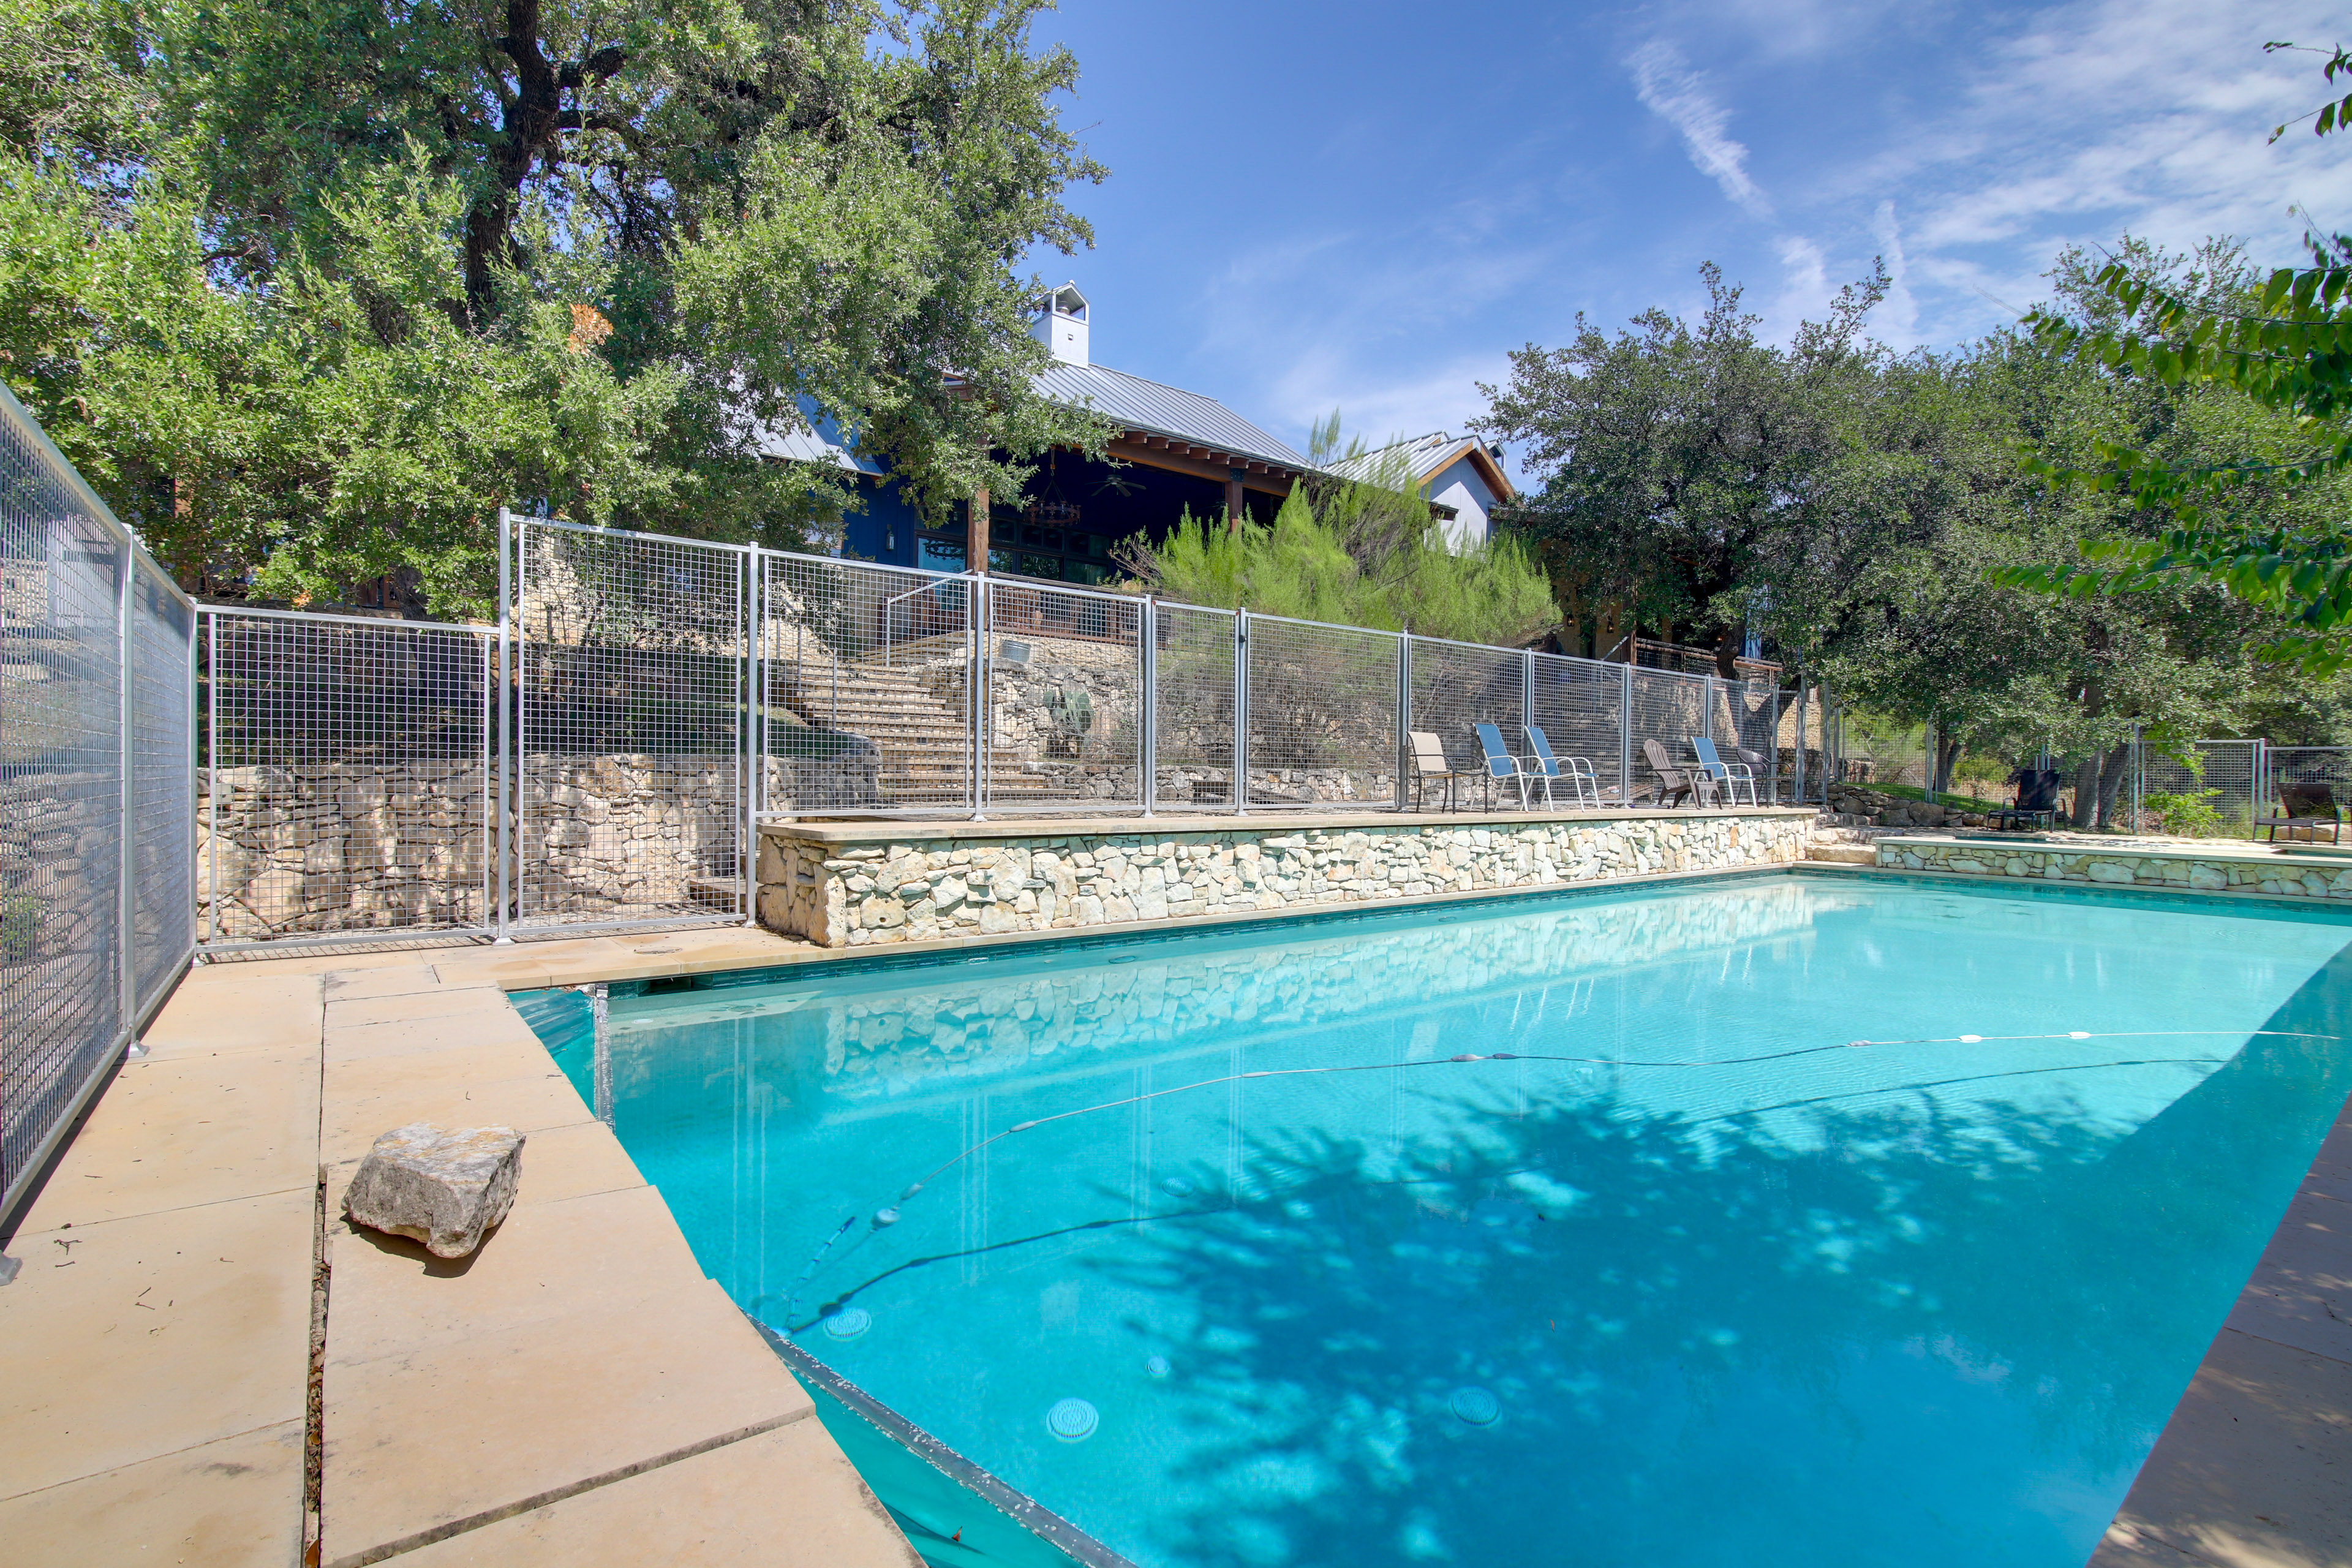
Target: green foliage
[(2185, 816), (1697, 482), (2260, 518), (20, 926), (310, 287), (1342, 555)]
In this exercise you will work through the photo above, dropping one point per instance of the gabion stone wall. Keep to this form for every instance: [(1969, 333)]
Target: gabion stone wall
[(341, 846)]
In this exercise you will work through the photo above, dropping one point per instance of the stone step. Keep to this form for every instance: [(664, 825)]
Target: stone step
[(1843, 854)]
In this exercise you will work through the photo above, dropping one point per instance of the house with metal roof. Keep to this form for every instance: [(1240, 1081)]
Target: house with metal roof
[(1460, 476), (1176, 451)]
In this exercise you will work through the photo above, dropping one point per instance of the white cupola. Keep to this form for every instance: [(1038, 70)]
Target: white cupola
[(1062, 324)]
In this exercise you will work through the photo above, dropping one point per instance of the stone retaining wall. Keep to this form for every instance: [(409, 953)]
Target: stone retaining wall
[(2183, 871), (843, 886)]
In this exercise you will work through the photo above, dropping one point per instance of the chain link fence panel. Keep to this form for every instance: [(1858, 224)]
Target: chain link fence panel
[(346, 783), (866, 688), (1064, 700), (632, 677), (1192, 706), (1323, 710)]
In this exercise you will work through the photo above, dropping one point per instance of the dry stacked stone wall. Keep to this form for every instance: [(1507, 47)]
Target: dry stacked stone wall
[(2247, 871), (845, 890)]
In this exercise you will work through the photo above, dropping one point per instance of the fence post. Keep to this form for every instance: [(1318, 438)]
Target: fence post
[(1148, 730), (983, 655), (1403, 708), (1625, 736), (1527, 695), (1927, 771), (1240, 713), (2260, 767), (208, 624), (505, 846), (126, 837), (2139, 778), (752, 736), (1799, 783)]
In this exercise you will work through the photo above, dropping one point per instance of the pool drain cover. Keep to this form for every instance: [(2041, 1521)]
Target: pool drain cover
[(1072, 1420), (848, 1323), (1477, 1405)]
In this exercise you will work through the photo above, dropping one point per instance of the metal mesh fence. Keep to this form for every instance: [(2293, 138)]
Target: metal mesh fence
[(1322, 714), (630, 686), (1192, 706), (1065, 699), (2305, 783), (2226, 774), (1458, 686), (1580, 705), (87, 746), (1666, 710), (162, 767), (347, 779), (866, 684)]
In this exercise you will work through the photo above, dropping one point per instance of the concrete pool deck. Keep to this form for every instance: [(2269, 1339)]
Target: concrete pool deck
[(576, 1393), (580, 1393)]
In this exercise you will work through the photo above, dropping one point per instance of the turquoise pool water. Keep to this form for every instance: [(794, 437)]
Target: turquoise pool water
[(1721, 1289)]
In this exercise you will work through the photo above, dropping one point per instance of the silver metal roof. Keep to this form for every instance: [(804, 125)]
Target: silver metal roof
[(1423, 454), (1163, 410)]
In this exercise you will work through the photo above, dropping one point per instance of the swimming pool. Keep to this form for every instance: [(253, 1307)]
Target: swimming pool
[(1681, 1271)]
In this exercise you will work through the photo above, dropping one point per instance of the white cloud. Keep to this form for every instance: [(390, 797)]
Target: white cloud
[(2092, 119), (1383, 408), (1900, 314), (1804, 288), (1678, 95)]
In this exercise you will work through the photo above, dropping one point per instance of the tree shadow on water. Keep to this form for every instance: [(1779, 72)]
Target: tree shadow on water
[(1914, 1332)]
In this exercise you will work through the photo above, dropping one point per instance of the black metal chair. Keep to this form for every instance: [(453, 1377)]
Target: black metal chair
[(2037, 799)]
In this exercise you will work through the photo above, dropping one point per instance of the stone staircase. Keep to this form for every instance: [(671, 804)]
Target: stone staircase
[(925, 743), (1843, 840)]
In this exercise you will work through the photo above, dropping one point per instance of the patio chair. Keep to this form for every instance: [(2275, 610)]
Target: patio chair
[(1728, 776), (2037, 799), (1501, 764), (1670, 784), (2305, 806), (1577, 771), (1428, 765)]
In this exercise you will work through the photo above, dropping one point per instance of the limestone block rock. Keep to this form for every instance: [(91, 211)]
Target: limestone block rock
[(442, 1186)]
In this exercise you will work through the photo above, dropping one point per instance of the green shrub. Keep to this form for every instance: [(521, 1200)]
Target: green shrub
[(20, 926), (2185, 816)]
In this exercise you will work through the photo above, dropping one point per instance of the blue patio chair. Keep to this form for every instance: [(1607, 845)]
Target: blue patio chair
[(1731, 775), (1577, 771), (1501, 764)]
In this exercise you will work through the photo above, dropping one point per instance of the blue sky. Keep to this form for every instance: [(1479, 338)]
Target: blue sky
[(1366, 205)]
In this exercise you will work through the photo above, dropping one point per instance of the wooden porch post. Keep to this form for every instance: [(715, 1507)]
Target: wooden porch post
[(1234, 499), (976, 534)]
